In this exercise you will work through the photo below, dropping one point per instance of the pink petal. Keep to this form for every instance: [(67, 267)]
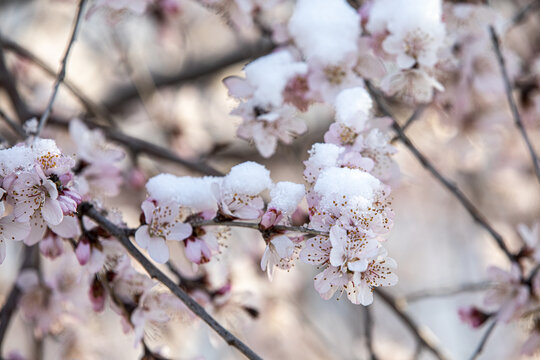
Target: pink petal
[(158, 250)]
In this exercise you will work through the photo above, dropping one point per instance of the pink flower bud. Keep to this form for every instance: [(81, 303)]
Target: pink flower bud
[(472, 316), (51, 246), (270, 218), (83, 251), (97, 295), (136, 178)]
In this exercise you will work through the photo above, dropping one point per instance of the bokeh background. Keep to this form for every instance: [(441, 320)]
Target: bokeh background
[(435, 242)]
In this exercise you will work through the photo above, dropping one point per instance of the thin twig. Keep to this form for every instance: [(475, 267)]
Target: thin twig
[(513, 107), (62, 72), (450, 186), (446, 291), (255, 226), (154, 272), (139, 146), (368, 328), (522, 13), (31, 254), (195, 69), (13, 125), (410, 324), (90, 106), (7, 82), (484, 340), (414, 116)]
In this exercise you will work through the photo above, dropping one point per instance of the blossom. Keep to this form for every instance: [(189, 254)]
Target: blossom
[(11, 230), (279, 252), (162, 224), (413, 85), (510, 295)]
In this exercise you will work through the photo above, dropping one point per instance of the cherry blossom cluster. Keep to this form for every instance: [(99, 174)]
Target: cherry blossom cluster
[(515, 293)]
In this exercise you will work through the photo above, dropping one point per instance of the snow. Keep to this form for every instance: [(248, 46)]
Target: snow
[(194, 193), (269, 75), (286, 196), (321, 156), (248, 178), (325, 30), (355, 186), (23, 157), (353, 108)]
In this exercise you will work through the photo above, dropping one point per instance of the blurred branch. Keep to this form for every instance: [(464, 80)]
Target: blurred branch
[(138, 146), (368, 327), (90, 106), (522, 13), (483, 341), (450, 186), (410, 324), (414, 116), (7, 82), (31, 256), (62, 72), (118, 98), (88, 210), (513, 107), (13, 125), (446, 291)]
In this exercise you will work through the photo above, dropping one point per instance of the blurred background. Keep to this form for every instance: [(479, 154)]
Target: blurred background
[(135, 66)]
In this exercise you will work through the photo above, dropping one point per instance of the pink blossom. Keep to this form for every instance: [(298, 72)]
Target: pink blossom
[(472, 316), (510, 295), (51, 245)]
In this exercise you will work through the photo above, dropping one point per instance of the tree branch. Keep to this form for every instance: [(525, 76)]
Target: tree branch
[(484, 340), (255, 226), (8, 83), (410, 324), (154, 272), (368, 328), (137, 146), (31, 254), (90, 106), (446, 291), (62, 72), (450, 186), (13, 125), (513, 107), (118, 98)]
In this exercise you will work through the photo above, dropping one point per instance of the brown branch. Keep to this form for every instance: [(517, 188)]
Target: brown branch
[(88, 210), (446, 291), (483, 341), (31, 256), (139, 146), (368, 328), (450, 186), (414, 116), (410, 324), (513, 107), (522, 13), (7, 82), (193, 70), (90, 106), (62, 72), (255, 226), (13, 125)]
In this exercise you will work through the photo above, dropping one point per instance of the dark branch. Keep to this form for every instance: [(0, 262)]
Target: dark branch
[(7, 82), (195, 69), (138, 146), (31, 255), (90, 106), (513, 107), (450, 186), (154, 272), (62, 72), (484, 340), (447, 291), (368, 328), (410, 324), (13, 125)]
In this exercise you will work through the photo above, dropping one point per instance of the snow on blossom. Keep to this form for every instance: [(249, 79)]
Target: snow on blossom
[(266, 119), (321, 157), (353, 107), (285, 196), (325, 30), (238, 193), (162, 223), (509, 295)]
